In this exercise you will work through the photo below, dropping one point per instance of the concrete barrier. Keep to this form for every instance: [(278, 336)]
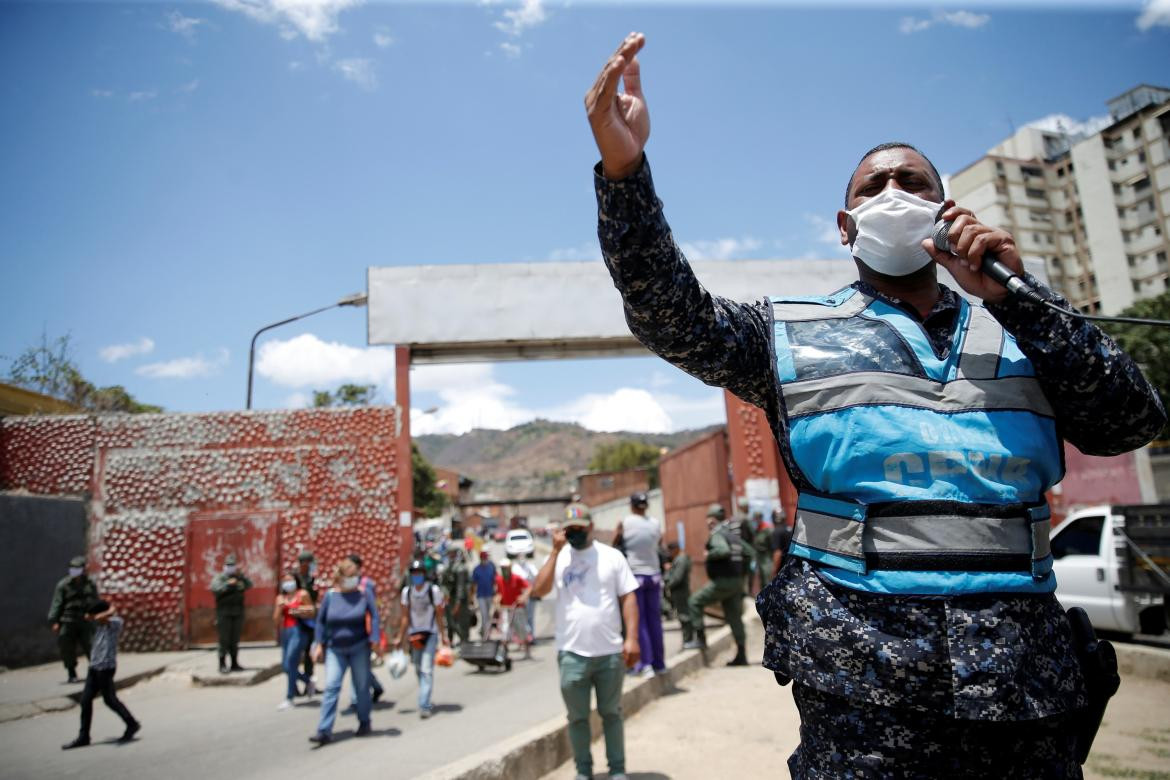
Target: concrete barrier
[(534, 753), (1152, 663)]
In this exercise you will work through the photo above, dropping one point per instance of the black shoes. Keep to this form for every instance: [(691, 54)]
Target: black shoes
[(321, 738), (73, 678), (79, 742), (376, 695), (363, 730), (130, 731), (740, 657)]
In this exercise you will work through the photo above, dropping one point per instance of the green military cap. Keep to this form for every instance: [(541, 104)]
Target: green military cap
[(715, 510), (305, 555), (230, 560), (77, 560)]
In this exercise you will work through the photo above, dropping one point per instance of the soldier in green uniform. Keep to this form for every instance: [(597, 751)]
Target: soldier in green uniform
[(743, 523), (228, 588), (762, 548), (677, 582), (454, 581), (72, 595), (726, 556)]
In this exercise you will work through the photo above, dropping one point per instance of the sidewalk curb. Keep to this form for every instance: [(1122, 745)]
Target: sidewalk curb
[(534, 753), (216, 680), (1152, 663)]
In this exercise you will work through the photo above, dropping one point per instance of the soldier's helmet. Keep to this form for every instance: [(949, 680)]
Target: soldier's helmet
[(716, 511), (77, 562), (230, 560)]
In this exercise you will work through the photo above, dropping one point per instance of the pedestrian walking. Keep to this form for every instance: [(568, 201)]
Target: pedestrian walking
[(483, 590), (726, 556), (293, 617), (639, 536), (347, 624), (371, 591), (456, 595), (595, 590), (99, 680), (526, 568), (307, 581), (511, 595), (71, 596), (422, 618), (677, 581), (922, 432), (228, 588)]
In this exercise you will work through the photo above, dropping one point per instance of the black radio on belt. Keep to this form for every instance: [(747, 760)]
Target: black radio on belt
[(1098, 663)]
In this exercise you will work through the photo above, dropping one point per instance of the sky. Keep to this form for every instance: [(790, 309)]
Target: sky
[(174, 176)]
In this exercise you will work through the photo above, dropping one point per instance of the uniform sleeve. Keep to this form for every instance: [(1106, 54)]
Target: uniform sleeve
[(218, 584), (718, 548), (57, 604), (1103, 403), (718, 341)]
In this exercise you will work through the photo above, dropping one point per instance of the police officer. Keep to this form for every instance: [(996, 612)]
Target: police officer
[(228, 588), (677, 582), (725, 565), (67, 614), (456, 590)]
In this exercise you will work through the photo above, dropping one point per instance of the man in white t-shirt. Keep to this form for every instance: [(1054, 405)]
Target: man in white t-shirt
[(595, 591), (423, 615)]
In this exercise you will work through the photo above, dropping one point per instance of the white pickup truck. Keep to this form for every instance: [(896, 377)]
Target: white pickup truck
[(1114, 561)]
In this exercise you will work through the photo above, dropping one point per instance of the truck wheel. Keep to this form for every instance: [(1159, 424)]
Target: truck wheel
[(1152, 620)]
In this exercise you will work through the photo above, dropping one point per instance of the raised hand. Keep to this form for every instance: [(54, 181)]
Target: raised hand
[(620, 122), (970, 238)]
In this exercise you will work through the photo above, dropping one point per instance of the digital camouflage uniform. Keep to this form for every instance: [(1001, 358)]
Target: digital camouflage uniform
[(456, 591), (67, 611), (229, 613), (677, 582), (956, 667)]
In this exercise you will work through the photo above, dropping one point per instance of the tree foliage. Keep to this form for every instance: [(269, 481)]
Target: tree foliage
[(427, 496), (49, 368), (624, 455), (1147, 344), (345, 395)]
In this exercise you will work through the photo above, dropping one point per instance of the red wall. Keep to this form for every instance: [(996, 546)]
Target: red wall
[(693, 478), (327, 475)]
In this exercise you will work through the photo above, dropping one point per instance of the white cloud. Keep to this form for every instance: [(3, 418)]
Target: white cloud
[(590, 250), (470, 397), (910, 25), (358, 70), (1155, 13), (511, 50), (142, 95), (316, 20), (297, 401), (306, 361), (185, 368), (825, 230), (116, 352), (625, 409), (720, 248), (102, 93), (382, 38), (183, 25), (515, 21)]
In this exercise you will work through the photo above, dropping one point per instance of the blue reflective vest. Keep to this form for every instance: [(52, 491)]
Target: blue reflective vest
[(924, 475)]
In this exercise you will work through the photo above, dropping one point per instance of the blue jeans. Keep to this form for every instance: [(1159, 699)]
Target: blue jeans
[(293, 641), (424, 666), (337, 659)]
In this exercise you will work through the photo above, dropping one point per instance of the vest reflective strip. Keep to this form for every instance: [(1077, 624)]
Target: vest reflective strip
[(982, 345), (870, 388), (797, 311), (840, 535), (921, 533)]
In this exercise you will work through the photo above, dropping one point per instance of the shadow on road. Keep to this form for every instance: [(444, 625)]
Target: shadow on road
[(448, 708)]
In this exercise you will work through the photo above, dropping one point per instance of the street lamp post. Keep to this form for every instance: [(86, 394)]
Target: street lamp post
[(357, 299)]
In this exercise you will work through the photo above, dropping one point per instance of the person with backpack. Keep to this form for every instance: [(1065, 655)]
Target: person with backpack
[(347, 628), (726, 556), (422, 615)]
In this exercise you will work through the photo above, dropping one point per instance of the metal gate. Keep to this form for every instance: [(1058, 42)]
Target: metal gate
[(254, 537)]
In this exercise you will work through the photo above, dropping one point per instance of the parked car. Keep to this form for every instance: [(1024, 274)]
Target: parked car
[(1113, 562), (498, 535), (519, 542)]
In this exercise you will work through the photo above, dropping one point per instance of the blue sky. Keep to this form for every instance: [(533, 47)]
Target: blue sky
[(174, 175)]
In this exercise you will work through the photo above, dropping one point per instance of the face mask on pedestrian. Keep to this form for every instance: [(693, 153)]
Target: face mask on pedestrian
[(577, 537), (417, 579), (76, 571), (288, 586), (229, 569), (891, 227), (349, 583)]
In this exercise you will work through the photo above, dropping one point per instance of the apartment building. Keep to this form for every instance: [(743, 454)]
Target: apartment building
[(1089, 205)]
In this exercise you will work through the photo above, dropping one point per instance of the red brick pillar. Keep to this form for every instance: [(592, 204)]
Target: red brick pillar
[(754, 456), (405, 465)]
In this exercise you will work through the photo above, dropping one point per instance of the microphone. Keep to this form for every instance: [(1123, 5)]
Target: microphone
[(990, 266)]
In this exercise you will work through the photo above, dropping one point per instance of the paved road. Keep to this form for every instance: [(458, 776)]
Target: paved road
[(237, 732)]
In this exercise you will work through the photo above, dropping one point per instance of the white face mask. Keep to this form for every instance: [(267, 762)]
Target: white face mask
[(349, 583), (75, 571), (288, 586), (229, 569), (890, 230)]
